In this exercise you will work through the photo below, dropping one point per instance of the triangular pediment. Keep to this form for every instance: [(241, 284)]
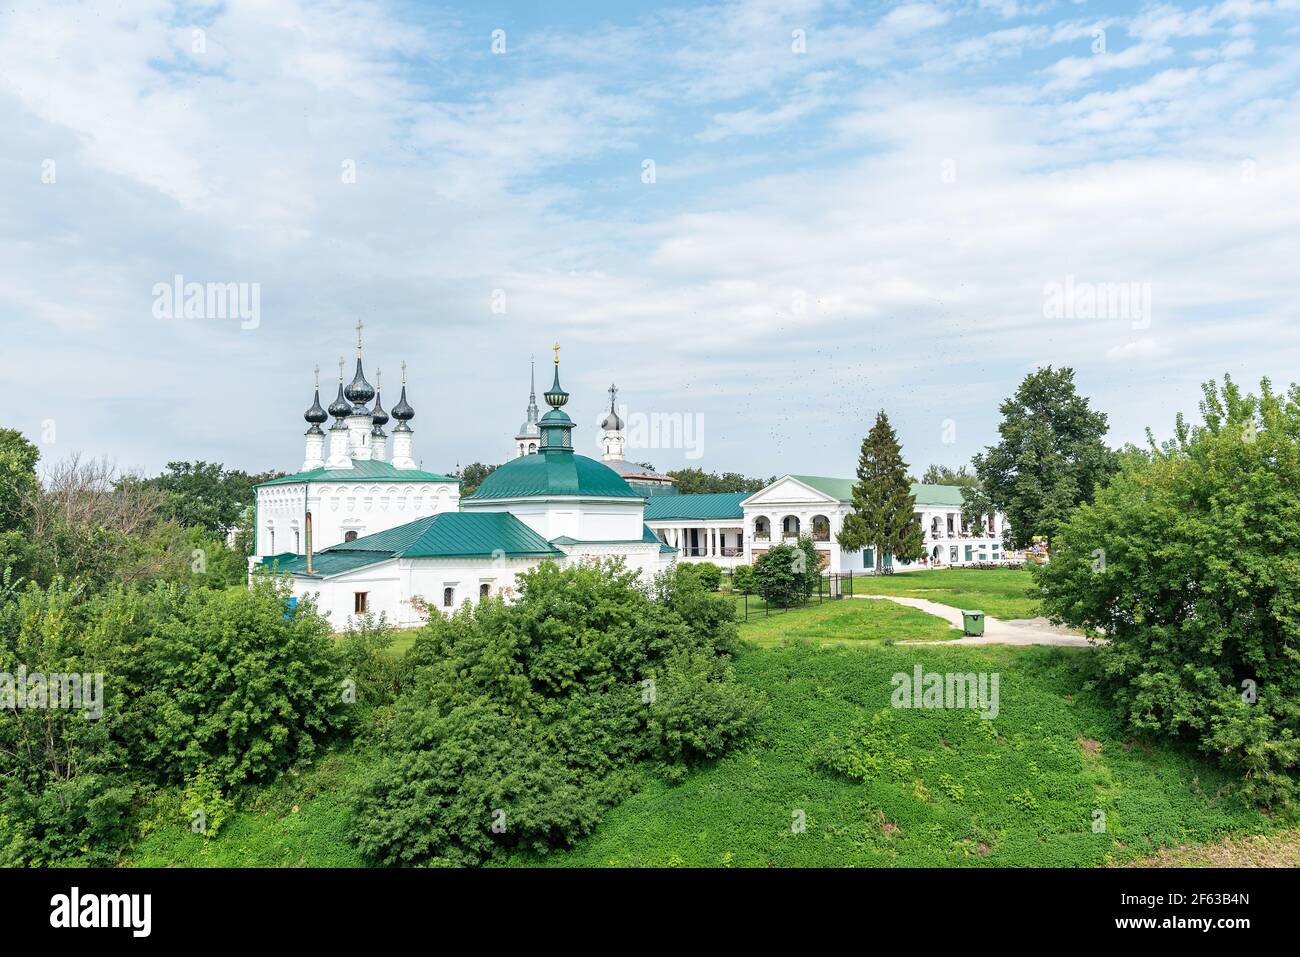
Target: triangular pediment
[(788, 491)]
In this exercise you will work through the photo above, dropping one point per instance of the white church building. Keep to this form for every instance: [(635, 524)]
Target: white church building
[(360, 531)]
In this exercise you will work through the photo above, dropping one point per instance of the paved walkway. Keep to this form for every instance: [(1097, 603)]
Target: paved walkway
[(1028, 631)]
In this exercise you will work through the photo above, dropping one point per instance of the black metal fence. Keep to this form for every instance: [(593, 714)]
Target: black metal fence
[(830, 587)]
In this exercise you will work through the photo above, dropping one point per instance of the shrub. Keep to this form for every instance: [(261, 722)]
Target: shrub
[(1188, 562), (709, 575), (742, 580), (238, 684), (194, 682), (787, 574), (520, 724), (375, 675), (203, 804)]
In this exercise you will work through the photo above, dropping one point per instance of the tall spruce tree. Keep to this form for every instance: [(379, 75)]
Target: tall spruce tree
[(884, 508)]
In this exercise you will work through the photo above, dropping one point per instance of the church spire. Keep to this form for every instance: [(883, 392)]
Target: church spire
[(556, 426), (315, 415), (378, 419), (612, 439), (359, 391), (314, 454), (526, 439), (403, 434)]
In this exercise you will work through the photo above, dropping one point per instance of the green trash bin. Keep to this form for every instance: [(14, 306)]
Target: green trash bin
[(974, 622)]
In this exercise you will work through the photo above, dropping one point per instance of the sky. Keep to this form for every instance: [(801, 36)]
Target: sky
[(765, 221)]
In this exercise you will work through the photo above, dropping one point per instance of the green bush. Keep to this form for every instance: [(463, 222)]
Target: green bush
[(375, 675), (787, 574), (709, 575), (239, 685), (742, 580), (1189, 563), (520, 724), (203, 803), (191, 679)]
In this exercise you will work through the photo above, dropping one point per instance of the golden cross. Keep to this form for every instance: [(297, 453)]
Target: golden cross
[(556, 347)]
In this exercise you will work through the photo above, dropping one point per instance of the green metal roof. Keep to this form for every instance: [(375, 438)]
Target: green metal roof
[(716, 505), (648, 537), (445, 535), (324, 564), (842, 490), (548, 473), (362, 471), (454, 535)]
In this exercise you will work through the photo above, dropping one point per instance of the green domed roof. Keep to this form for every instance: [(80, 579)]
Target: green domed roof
[(555, 473)]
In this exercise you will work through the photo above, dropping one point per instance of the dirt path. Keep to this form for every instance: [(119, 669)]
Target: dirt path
[(1029, 631)]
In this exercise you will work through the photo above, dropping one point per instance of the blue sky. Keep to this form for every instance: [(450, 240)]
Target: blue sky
[(853, 207)]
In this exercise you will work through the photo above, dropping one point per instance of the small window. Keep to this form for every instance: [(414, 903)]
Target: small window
[(448, 597), (350, 536), (360, 602), (484, 590)]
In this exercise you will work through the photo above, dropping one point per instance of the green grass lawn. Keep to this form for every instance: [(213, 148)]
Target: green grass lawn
[(834, 622), (1000, 592), (941, 788)]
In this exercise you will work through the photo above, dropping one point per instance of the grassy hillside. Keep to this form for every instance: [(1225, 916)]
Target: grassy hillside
[(937, 787), (942, 787)]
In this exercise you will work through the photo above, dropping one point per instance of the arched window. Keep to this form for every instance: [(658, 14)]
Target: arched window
[(448, 597), (762, 530), (350, 536), (484, 590), (532, 447), (790, 526), (821, 528)]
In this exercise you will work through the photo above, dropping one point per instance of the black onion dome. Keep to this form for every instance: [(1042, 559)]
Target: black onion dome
[(340, 406), (315, 415), (378, 416), (359, 391), (403, 412), (611, 422)]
